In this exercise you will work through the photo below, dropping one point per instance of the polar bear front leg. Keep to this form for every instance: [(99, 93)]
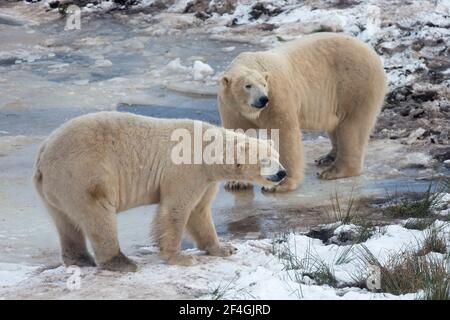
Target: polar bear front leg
[(201, 226), (168, 226), (330, 157), (234, 121), (291, 157)]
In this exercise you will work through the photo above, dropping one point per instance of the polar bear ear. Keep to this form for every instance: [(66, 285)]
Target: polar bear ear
[(226, 80), (266, 75)]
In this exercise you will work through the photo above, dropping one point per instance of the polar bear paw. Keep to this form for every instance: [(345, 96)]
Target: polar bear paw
[(288, 184), (237, 185), (335, 172), (182, 260), (119, 263), (222, 250), (325, 160)]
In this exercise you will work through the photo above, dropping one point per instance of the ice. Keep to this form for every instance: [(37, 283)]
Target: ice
[(11, 274), (201, 70), (176, 66), (228, 49)]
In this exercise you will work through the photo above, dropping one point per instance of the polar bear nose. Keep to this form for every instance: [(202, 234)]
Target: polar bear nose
[(263, 100)]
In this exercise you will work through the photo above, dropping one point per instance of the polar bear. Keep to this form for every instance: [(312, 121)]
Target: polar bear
[(99, 164), (325, 81)]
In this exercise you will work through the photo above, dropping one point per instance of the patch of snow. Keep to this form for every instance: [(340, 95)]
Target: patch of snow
[(346, 228)]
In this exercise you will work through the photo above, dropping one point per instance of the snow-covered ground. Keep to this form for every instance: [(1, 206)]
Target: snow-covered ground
[(259, 270)]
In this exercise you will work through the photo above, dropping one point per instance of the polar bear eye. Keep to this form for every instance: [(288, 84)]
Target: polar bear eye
[(248, 86)]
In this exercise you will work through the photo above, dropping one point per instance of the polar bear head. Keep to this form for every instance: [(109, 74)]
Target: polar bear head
[(247, 88), (253, 160)]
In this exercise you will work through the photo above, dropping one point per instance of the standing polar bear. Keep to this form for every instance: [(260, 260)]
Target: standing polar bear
[(325, 81), (97, 165)]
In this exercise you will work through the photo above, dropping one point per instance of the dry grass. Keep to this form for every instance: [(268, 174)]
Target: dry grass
[(417, 204), (433, 242), (408, 272)]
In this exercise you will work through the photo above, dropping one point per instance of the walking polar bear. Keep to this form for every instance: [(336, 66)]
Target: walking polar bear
[(99, 164), (325, 81)]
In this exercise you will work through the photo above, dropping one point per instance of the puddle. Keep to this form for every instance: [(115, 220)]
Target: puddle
[(57, 79)]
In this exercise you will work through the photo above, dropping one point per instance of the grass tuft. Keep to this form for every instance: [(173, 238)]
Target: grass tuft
[(311, 265), (419, 224), (408, 272), (418, 204), (433, 242)]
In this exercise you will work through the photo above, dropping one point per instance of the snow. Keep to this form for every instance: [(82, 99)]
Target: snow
[(254, 272)]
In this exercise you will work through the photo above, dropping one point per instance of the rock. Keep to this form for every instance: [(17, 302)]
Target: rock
[(416, 113), (432, 109), (267, 26), (54, 4), (447, 164), (390, 47), (423, 96), (442, 154), (443, 136), (196, 6), (222, 6), (405, 111), (202, 15), (444, 107), (423, 123), (205, 8), (416, 135), (417, 45), (260, 8)]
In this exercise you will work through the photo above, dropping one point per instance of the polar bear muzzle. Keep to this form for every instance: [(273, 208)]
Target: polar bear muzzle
[(261, 102)]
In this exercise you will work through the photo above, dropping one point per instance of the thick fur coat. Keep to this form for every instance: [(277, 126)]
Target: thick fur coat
[(100, 164), (325, 81)]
